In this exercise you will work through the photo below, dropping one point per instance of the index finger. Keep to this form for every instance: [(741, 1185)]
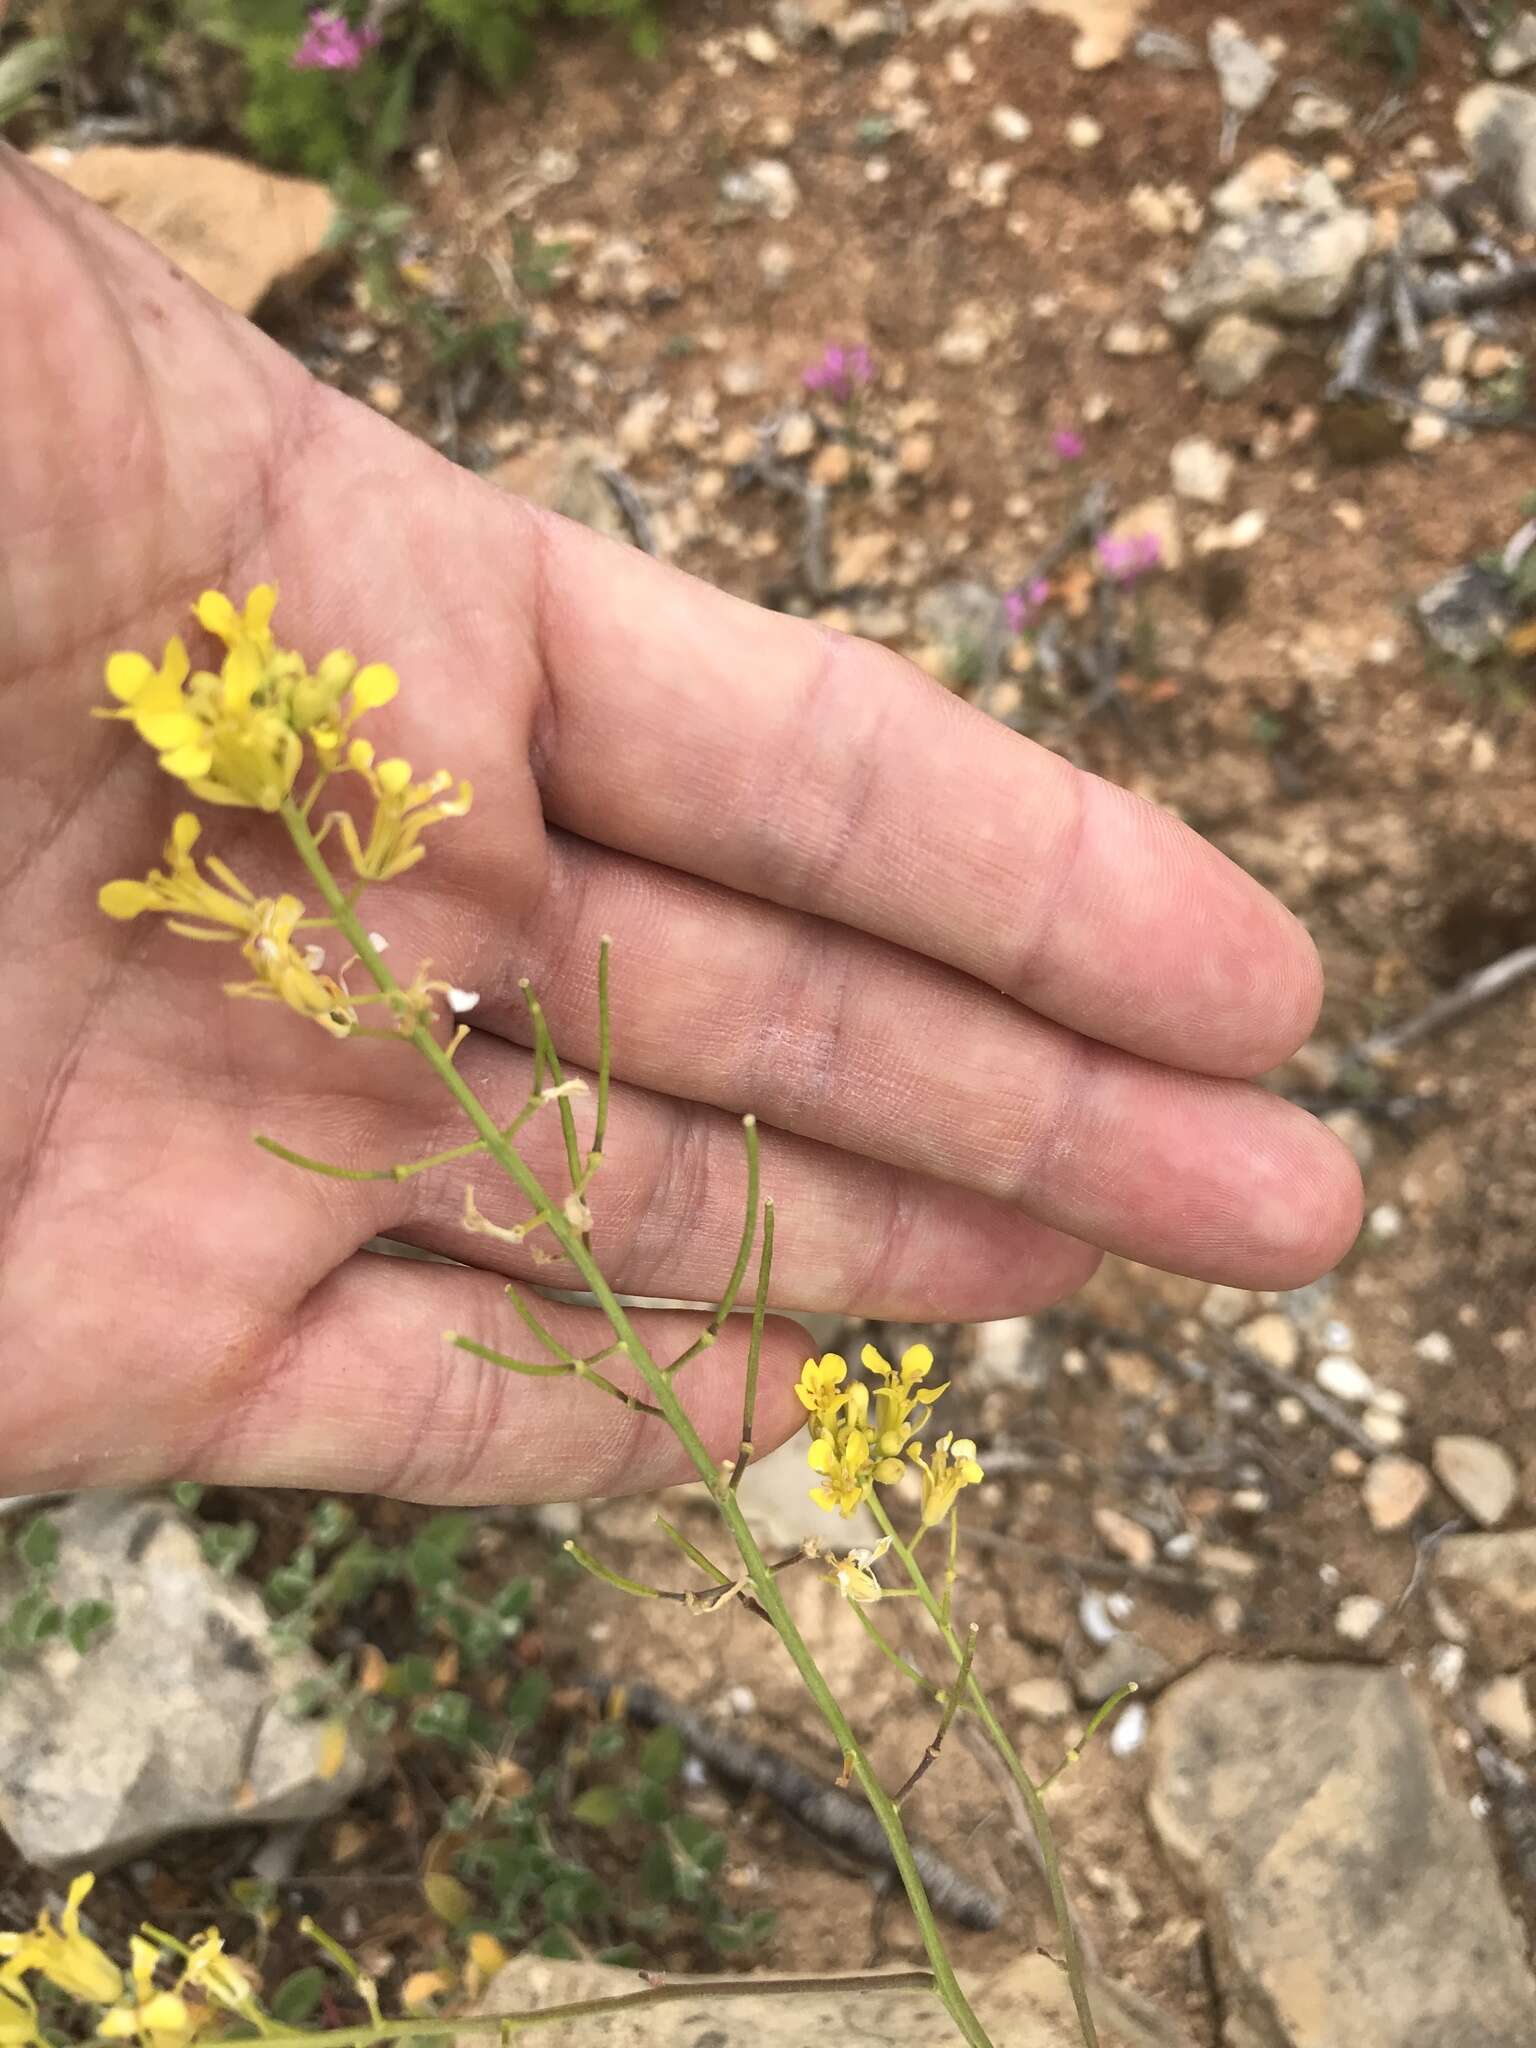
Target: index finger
[(826, 774)]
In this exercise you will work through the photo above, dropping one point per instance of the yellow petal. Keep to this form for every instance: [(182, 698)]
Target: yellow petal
[(189, 763), (394, 776), (218, 616), (873, 1362), (184, 834), (119, 2025), (375, 685), (259, 607), (175, 666), (123, 899), (360, 756), (127, 675), (166, 729)]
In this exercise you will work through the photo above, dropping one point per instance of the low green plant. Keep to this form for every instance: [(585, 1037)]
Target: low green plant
[(1389, 33), (36, 1615)]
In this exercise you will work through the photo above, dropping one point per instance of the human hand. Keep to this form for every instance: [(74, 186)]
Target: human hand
[(991, 1012)]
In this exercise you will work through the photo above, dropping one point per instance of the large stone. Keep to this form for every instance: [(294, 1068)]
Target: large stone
[(1497, 126), (1351, 1896), (177, 1720), (1026, 2004), (1467, 613), (1234, 353), (565, 477), (1478, 1475), (1515, 49), (1488, 1581), (240, 232), (1296, 262)]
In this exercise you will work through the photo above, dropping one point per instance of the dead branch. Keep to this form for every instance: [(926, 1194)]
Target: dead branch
[(1471, 993)]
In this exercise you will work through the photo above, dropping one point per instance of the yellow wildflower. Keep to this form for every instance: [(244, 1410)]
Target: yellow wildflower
[(65, 1956), (158, 2019), (844, 1465), (854, 1576), (246, 752), (151, 698), (18, 2013), (402, 812), (952, 1466), (181, 890), (250, 627), (901, 1396), (286, 973), (820, 1386), (221, 1978)]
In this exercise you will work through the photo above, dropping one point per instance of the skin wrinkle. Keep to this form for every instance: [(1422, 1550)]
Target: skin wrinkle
[(1063, 865)]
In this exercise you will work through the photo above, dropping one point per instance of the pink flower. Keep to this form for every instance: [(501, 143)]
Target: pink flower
[(1022, 605), (332, 44), (1124, 557), (1070, 446), (840, 373)]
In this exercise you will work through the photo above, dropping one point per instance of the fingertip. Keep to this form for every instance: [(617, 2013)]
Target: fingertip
[(1308, 1205)]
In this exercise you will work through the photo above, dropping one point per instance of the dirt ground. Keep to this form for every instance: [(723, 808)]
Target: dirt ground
[(1289, 713)]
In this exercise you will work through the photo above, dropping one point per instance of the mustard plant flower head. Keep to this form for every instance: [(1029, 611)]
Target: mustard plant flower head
[(237, 737), (854, 1575), (18, 2012), (290, 972), (181, 892), (900, 1398), (843, 1463), (820, 1386), (402, 811), (221, 1979), (66, 1957), (952, 1466), (157, 2019)]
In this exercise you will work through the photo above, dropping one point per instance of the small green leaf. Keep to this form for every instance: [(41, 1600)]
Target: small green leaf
[(662, 1756), (289, 1586), (330, 1522), (297, 1998), (649, 1800), (451, 1901), (446, 1718), (600, 1806), (39, 1545), (527, 1700), (87, 1622), (187, 1493), (226, 1545), (607, 1742), (658, 1880)]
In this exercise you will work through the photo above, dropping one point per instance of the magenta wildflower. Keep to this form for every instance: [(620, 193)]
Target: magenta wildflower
[(1069, 445), (331, 43), (841, 373), (1022, 605), (1125, 556)]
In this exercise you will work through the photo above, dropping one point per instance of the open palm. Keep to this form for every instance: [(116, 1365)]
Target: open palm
[(992, 1013)]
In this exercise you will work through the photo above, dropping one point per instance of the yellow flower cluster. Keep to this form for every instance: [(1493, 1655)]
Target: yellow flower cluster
[(135, 2009), (239, 737), (856, 1445)]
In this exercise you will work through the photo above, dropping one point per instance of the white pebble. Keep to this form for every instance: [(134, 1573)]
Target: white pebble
[(1339, 1375), (1129, 1729), (1083, 132), (1010, 124), (1338, 1336), (1447, 1661), (1358, 1617), (461, 1000), (1435, 1348), (1386, 1222), (1384, 1429)]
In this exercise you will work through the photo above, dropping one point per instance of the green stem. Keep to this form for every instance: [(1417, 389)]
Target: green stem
[(1029, 1792), (892, 1655), (678, 1420), (716, 1323), (510, 2023), (952, 1698), (755, 1349)]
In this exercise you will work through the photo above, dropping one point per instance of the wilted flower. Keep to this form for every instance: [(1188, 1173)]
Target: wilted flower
[(952, 1465), (331, 43), (841, 373)]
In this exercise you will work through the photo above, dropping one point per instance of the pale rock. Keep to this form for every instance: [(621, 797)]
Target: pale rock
[(1124, 1660), (1084, 133), (1385, 1430), (1427, 231), (1041, 1699), (1274, 1338), (1497, 126), (1358, 1617), (967, 340), (1316, 113), (1294, 1799), (1133, 1373), (796, 436), (833, 465), (641, 422), (1505, 1705), (1340, 1375), (176, 1721), (740, 445), (766, 186), (1000, 1353), (1245, 73), (862, 558), (1131, 338), (914, 455), (1394, 1490), (1125, 1536), (1467, 613), (1009, 125), (1025, 2003), (1166, 51), (1274, 178), (1297, 263), (1478, 1475), (775, 264), (1234, 353), (240, 232), (1242, 532), (1225, 1306), (760, 46), (1425, 431), (1514, 50), (1128, 1729), (1435, 1348), (1488, 1580), (565, 477), (1200, 470), (776, 1501)]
